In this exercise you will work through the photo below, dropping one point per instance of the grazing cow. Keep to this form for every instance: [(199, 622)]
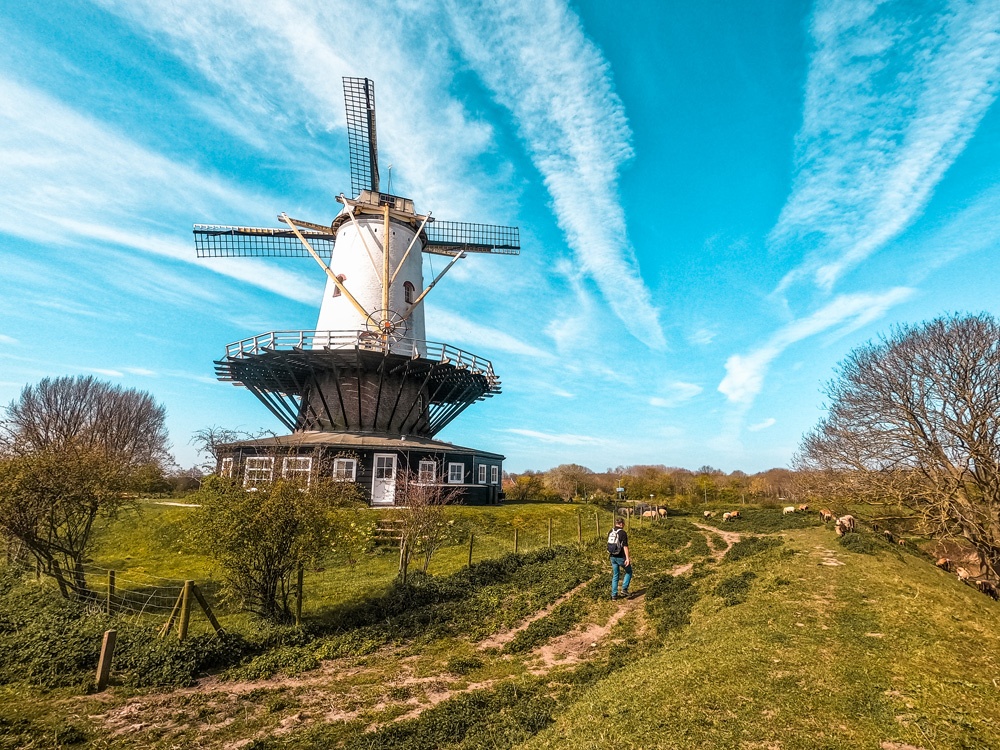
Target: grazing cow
[(826, 515), (901, 542), (733, 515), (662, 512), (963, 574), (726, 517), (803, 508), (709, 514), (788, 509), (649, 514), (875, 527), (845, 525), (945, 564), (888, 536), (988, 588)]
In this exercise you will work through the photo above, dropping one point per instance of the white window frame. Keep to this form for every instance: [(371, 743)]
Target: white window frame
[(452, 477), (254, 469), (494, 474), (343, 476), (482, 473), (226, 468), (295, 467), (428, 472)]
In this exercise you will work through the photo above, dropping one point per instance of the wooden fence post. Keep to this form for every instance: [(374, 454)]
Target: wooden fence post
[(165, 630), (472, 538), (550, 533), (515, 541), (182, 626), (107, 654), (298, 594), (579, 528), (206, 609), (111, 592)]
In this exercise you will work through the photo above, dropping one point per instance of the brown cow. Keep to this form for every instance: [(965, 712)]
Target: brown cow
[(988, 588), (734, 515), (803, 508), (888, 536), (963, 574), (945, 564), (826, 515)]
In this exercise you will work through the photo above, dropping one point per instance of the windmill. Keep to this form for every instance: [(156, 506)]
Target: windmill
[(366, 372)]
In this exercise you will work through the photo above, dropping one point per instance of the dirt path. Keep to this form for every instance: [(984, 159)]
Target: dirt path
[(499, 640), (729, 537)]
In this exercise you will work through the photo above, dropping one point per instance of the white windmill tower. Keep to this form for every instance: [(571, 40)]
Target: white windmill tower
[(367, 367)]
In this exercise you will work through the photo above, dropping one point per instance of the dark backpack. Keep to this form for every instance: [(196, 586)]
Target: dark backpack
[(614, 543)]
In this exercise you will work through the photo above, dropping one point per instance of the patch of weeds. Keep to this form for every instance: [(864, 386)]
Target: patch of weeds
[(560, 620), (360, 642), (464, 665), (769, 520), (400, 693), (753, 545), (68, 734), (782, 582), (619, 655), (867, 544), (669, 602), (716, 542), (502, 717), (290, 660), (701, 570), (278, 703), (734, 589)]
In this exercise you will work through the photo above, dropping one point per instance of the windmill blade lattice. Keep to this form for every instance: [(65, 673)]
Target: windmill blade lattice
[(217, 241), (359, 96), (449, 237)]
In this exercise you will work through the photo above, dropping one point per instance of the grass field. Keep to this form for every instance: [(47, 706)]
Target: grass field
[(787, 640)]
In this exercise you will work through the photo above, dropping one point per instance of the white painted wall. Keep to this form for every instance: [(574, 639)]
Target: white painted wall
[(350, 259)]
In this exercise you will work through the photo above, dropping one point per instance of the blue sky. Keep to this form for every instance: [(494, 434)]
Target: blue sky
[(717, 201)]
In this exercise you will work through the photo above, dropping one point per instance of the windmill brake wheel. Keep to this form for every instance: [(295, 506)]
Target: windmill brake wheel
[(389, 327)]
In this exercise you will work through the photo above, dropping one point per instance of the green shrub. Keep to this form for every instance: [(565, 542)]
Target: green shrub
[(669, 601), (464, 665), (289, 660), (501, 717), (863, 544), (734, 589), (752, 545), (560, 620)]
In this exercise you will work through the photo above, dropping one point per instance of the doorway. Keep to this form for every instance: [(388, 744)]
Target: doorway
[(384, 480)]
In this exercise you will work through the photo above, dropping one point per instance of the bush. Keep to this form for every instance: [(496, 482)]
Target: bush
[(734, 589), (464, 665), (753, 545), (863, 544), (669, 601), (560, 620), (289, 660)]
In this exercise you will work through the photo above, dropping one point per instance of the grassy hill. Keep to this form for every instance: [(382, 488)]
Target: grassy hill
[(780, 637)]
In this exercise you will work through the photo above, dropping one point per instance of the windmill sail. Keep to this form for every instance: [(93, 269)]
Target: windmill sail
[(449, 237), (359, 95), (215, 241)]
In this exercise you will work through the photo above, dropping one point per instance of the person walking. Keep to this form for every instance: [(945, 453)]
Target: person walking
[(621, 560)]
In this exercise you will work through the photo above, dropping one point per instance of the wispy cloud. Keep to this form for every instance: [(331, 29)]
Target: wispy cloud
[(745, 372), (8, 340), (69, 179), (892, 98), (557, 438), (702, 336), (675, 394), (763, 425), (539, 64), (449, 326)]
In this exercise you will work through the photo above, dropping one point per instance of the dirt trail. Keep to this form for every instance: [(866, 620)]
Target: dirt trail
[(729, 537), (499, 640)]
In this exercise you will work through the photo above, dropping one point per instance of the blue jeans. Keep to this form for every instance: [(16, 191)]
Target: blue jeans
[(618, 567)]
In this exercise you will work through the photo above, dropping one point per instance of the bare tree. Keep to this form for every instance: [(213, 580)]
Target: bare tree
[(915, 419), (424, 527), (123, 424), (211, 443), (75, 450)]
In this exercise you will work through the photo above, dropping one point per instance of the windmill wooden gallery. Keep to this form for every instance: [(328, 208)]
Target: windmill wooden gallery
[(364, 394)]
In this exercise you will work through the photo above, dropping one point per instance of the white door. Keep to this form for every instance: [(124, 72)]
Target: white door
[(384, 481)]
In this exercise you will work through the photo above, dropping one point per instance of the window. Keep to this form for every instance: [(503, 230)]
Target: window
[(482, 473), (259, 470), (226, 470), (428, 472), (345, 469), (409, 292), (456, 473), (336, 289), (494, 475), (297, 468), (385, 467)]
